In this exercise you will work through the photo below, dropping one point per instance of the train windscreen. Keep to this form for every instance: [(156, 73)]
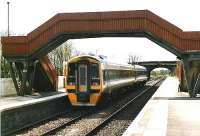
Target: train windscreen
[(94, 73), (71, 74)]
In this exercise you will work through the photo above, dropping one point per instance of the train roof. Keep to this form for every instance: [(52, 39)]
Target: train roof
[(109, 65), (140, 67), (83, 56)]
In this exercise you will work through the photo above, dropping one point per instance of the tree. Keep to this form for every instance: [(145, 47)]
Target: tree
[(61, 54), (133, 59), (4, 67), (164, 72)]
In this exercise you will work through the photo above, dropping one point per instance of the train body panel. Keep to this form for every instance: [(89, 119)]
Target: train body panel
[(88, 77), (114, 85)]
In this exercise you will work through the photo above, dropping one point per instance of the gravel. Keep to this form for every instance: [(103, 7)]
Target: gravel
[(84, 125), (47, 125), (121, 122)]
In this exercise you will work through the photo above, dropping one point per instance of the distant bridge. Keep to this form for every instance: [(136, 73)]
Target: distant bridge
[(157, 64), (151, 65)]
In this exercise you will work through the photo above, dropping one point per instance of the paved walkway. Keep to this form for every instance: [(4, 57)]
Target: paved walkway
[(17, 101), (168, 113)]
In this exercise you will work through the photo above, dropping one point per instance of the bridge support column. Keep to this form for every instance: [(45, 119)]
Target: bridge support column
[(30, 75), (172, 69), (19, 68), (186, 67), (149, 69), (191, 75), (26, 85), (22, 77), (148, 75), (13, 76)]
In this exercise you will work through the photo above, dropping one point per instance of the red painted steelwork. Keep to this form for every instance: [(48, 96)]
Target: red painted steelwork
[(101, 22), (50, 71)]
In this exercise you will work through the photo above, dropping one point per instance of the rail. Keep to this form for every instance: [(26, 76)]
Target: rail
[(53, 130), (110, 117), (73, 120)]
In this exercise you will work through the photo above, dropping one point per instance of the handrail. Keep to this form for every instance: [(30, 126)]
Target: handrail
[(100, 23)]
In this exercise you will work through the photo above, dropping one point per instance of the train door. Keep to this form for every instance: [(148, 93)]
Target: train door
[(82, 69)]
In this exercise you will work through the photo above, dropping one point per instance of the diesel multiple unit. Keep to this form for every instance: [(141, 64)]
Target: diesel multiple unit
[(88, 78)]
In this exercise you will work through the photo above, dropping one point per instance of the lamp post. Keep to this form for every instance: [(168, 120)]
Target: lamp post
[(8, 18)]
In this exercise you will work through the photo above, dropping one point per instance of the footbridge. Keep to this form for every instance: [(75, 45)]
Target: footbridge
[(27, 50)]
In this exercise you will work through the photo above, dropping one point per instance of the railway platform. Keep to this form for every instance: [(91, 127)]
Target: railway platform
[(17, 101), (168, 113), (21, 111)]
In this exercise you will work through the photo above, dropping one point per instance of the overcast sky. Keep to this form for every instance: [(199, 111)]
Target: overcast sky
[(26, 15)]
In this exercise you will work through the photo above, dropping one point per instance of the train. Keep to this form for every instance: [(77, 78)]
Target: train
[(89, 78)]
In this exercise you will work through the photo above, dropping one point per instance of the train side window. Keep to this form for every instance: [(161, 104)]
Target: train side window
[(94, 73), (71, 74), (104, 75)]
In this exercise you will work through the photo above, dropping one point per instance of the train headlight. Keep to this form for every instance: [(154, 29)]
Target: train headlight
[(94, 91), (95, 83), (71, 83), (71, 91)]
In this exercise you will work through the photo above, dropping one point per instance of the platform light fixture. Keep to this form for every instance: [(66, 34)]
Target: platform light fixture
[(8, 18)]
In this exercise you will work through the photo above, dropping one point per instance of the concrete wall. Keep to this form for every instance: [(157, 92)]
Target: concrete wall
[(18, 117), (6, 84), (7, 87), (60, 82)]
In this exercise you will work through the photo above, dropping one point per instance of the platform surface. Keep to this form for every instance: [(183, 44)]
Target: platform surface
[(17, 101), (168, 113)]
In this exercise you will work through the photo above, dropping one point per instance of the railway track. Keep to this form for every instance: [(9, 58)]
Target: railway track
[(49, 118), (54, 130), (59, 120), (89, 118), (114, 114), (82, 125)]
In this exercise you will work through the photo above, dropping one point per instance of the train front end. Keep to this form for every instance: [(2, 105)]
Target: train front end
[(83, 81)]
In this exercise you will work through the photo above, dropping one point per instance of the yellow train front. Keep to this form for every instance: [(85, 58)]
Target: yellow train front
[(88, 77), (82, 82)]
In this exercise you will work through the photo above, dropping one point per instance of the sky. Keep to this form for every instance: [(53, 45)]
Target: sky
[(26, 15)]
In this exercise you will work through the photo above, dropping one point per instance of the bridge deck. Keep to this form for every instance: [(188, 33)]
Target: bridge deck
[(64, 26), (169, 112)]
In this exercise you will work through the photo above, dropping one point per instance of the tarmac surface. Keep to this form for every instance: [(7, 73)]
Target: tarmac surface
[(168, 113)]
